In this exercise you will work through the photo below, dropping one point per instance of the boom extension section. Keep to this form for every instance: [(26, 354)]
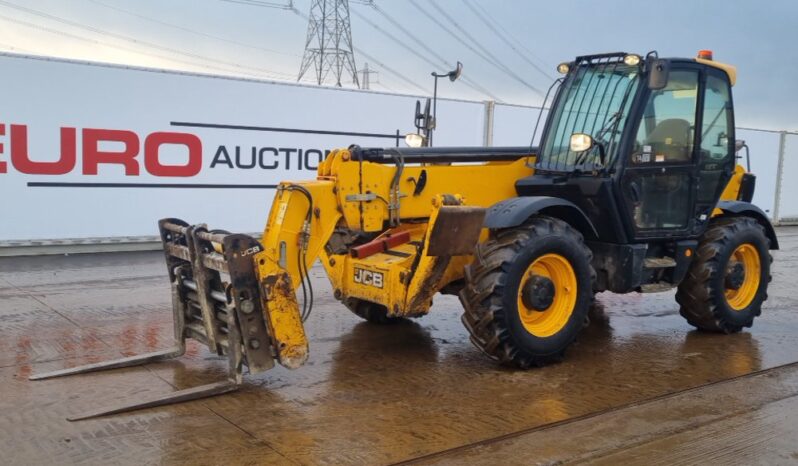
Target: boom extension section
[(389, 236)]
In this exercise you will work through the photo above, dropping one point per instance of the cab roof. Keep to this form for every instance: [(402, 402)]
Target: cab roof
[(730, 70)]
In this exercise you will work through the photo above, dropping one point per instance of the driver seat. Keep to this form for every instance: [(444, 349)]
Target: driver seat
[(671, 138)]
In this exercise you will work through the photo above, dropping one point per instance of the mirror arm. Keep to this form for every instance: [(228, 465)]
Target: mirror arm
[(602, 153)]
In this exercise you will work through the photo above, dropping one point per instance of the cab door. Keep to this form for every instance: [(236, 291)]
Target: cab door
[(716, 152), (659, 180)]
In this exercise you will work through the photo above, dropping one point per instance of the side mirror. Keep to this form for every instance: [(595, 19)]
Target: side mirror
[(738, 145), (581, 142), (658, 70), (453, 75)]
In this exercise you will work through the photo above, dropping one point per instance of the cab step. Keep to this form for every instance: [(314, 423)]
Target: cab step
[(656, 287), (659, 262)]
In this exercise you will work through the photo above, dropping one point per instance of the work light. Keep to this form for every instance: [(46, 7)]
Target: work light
[(631, 59), (414, 140)]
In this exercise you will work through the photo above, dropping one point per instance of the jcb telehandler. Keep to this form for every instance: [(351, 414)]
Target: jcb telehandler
[(634, 188)]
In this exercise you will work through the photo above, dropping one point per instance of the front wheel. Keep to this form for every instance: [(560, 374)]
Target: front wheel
[(727, 281), (528, 291)]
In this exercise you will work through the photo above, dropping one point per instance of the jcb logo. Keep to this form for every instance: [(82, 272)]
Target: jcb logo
[(367, 277), (250, 251)]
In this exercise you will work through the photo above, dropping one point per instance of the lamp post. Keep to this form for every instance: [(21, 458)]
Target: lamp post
[(452, 75)]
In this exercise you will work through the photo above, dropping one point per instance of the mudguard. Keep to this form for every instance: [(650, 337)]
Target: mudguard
[(515, 211), (749, 210)]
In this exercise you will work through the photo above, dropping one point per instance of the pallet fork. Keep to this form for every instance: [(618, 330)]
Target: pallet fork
[(215, 300)]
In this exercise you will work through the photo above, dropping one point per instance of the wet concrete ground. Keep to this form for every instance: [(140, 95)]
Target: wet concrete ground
[(638, 386)]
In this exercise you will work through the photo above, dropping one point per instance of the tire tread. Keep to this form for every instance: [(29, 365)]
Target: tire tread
[(485, 279), (698, 300)]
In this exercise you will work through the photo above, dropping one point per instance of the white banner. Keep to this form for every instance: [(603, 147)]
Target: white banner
[(91, 150)]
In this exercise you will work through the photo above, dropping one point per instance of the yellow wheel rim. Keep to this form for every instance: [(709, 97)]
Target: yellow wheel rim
[(552, 319), (746, 255)]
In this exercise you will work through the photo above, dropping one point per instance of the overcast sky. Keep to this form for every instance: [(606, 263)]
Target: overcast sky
[(233, 37)]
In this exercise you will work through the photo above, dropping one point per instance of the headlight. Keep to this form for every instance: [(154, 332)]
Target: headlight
[(414, 140), (632, 59), (563, 68), (581, 142)]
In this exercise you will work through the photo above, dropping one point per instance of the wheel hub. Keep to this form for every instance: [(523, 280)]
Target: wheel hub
[(735, 276), (546, 295), (538, 293), (742, 277)]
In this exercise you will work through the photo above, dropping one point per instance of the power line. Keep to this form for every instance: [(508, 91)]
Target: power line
[(384, 86), (14, 48), (409, 34), (279, 6), (497, 29), (407, 47), (507, 33), (449, 31), (133, 40), (484, 53), (394, 38), (120, 47), (329, 42), (467, 80), (373, 59), (192, 31), (390, 70), (487, 54)]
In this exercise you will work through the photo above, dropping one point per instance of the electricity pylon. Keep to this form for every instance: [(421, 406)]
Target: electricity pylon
[(365, 80), (329, 42)]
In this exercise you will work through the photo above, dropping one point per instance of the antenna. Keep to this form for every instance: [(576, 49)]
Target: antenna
[(329, 42)]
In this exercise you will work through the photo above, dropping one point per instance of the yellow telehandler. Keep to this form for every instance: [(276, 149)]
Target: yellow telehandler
[(634, 188)]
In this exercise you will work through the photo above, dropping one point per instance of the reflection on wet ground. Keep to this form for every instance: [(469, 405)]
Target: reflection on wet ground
[(369, 394)]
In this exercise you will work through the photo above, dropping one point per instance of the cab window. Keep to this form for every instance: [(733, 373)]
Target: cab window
[(716, 138), (667, 130)]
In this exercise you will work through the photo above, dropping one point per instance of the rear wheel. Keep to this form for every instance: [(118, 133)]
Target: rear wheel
[(727, 281), (528, 291)]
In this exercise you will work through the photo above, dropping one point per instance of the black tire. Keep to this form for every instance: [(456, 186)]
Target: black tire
[(701, 295), (492, 281), (371, 312)]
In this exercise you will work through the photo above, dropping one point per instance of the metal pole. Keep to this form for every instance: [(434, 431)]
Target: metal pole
[(434, 108), (779, 172), (487, 137)]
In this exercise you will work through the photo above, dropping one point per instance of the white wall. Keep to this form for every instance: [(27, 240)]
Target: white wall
[(46, 95), (514, 124), (764, 149), (788, 208)]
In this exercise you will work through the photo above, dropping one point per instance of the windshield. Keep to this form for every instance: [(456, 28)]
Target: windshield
[(595, 100)]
